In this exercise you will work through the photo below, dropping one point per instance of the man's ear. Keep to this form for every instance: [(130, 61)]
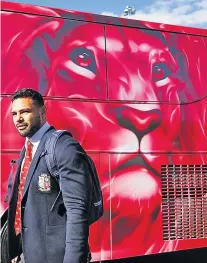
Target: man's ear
[(44, 110)]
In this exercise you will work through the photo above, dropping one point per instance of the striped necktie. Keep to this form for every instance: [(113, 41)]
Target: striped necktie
[(23, 176)]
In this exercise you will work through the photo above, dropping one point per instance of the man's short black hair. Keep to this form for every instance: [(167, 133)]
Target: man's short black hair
[(29, 93)]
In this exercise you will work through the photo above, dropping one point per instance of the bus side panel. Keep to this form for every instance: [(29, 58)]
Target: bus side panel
[(154, 211), (78, 118), (157, 82)]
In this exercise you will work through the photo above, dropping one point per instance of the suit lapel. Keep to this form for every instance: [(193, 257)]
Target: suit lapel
[(16, 179), (35, 160), (19, 163)]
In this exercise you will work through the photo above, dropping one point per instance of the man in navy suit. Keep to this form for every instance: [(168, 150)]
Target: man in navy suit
[(45, 235)]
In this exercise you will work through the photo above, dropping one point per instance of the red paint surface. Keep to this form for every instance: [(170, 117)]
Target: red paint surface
[(134, 98)]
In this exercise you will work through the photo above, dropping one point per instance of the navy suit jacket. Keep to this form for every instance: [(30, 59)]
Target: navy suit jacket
[(60, 234)]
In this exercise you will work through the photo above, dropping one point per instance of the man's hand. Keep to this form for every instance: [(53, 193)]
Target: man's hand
[(14, 260)]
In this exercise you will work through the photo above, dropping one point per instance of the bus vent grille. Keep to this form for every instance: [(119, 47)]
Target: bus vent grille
[(184, 201)]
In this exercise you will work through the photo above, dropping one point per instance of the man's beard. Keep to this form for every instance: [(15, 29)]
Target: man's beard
[(33, 129)]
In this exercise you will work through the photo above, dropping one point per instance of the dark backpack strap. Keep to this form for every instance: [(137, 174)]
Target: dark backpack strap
[(50, 148), (50, 145)]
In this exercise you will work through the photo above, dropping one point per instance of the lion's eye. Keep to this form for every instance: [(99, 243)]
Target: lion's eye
[(160, 71), (84, 58)]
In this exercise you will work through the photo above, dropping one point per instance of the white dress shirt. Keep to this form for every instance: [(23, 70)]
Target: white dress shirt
[(36, 138)]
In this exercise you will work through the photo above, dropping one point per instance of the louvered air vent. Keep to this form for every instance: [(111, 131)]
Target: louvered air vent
[(184, 201)]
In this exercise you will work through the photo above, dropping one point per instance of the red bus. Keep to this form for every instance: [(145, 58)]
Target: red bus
[(134, 94)]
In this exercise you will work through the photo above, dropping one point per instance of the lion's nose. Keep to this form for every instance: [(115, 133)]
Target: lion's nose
[(139, 122)]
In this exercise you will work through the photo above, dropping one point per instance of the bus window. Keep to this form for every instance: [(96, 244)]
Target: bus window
[(153, 66), (57, 57)]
